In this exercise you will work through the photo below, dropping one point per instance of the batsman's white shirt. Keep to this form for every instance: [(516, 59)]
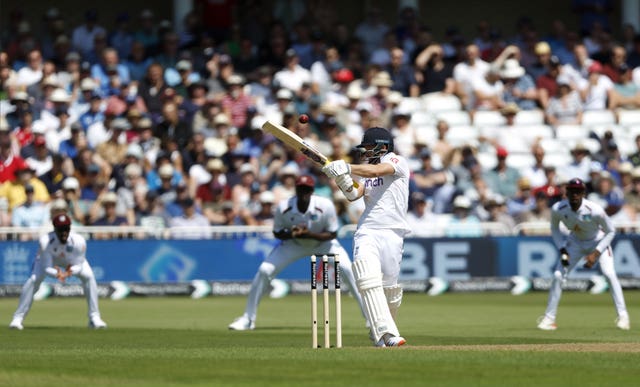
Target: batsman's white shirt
[(589, 227), (53, 253), (319, 217), (383, 224), (386, 198)]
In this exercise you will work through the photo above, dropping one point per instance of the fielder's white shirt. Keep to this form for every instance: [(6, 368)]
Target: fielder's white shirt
[(319, 217), (588, 224), (386, 198), (53, 253)]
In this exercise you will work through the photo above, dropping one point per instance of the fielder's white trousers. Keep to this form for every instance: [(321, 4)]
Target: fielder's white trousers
[(284, 255), (577, 250), (37, 276)]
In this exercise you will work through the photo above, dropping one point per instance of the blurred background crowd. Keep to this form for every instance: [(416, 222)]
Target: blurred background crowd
[(135, 122)]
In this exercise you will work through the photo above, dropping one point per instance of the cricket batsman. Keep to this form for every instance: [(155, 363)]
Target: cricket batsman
[(383, 180), (61, 255), (590, 236), (306, 224)]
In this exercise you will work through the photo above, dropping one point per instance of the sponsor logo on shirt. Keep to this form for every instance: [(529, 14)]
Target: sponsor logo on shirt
[(377, 182)]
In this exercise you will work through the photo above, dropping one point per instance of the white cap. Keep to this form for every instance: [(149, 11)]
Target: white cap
[(38, 127), (461, 201), (267, 197), (284, 94), (246, 168), (135, 150), (60, 95), (71, 183), (165, 170), (88, 84)]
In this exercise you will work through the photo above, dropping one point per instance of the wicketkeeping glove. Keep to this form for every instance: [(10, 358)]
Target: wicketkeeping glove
[(336, 168)]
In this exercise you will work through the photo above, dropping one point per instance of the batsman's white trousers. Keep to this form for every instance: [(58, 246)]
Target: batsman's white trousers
[(383, 245), (37, 276), (284, 255), (577, 250)]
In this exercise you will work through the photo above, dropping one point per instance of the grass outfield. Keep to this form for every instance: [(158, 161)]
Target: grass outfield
[(482, 339)]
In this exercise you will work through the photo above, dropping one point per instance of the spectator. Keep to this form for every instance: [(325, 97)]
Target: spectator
[(152, 88), (519, 88), (597, 90), (41, 161), (436, 74), (402, 74), (78, 209), (292, 76), (420, 218), (463, 224), (502, 179), (608, 193), (137, 61), (236, 103), (404, 133), (547, 83), (523, 199), (32, 73), (265, 216), (286, 185), (122, 38), (322, 70), (580, 164), (30, 214), (536, 172), (487, 91), (618, 57), (625, 93), (109, 217), (497, 212), (172, 127), (15, 192), (565, 108), (543, 60), (83, 36), (472, 69), (146, 33), (108, 68), (54, 177), (191, 224), (371, 31), (540, 213), (114, 149)]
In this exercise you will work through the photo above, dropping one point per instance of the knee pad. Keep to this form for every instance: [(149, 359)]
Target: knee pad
[(557, 274), (394, 299), (266, 270), (368, 274)]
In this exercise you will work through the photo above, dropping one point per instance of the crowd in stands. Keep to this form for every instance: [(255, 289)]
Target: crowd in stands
[(141, 125)]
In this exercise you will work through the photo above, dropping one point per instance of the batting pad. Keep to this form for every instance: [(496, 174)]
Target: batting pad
[(368, 275), (394, 299)]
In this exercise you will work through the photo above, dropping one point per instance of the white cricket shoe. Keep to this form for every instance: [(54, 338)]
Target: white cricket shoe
[(16, 323), (623, 323), (97, 323), (242, 323), (547, 324), (393, 341)]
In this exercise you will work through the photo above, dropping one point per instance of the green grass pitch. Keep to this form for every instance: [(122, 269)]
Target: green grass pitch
[(481, 339)]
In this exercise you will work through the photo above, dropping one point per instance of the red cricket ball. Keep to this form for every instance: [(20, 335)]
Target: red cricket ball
[(303, 119)]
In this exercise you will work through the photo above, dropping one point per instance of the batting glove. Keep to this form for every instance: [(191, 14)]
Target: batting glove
[(336, 168), (344, 182), (564, 257)]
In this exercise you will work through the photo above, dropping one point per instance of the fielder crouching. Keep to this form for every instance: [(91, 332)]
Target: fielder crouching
[(306, 224), (61, 255)]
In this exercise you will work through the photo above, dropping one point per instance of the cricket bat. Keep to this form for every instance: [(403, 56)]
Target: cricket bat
[(294, 141)]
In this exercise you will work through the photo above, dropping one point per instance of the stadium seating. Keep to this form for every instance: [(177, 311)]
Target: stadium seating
[(436, 102), (454, 117), (598, 117), (488, 118), (529, 117), (628, 117)]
